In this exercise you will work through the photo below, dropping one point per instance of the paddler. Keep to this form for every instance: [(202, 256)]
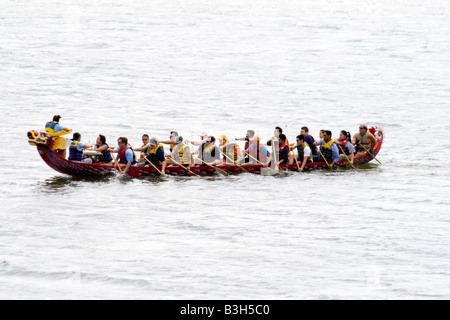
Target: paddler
[(102, 146), (328, 148), (276, 134), (209, 152), (232, 152), (76, 149), (203, 137), (281, 150), (365, 138), (126, 155), (181, 154), (154, 153), (173, 136), (256, 152), (309, 139), (248, 136), (145, 142), (304, 154), (346, 146)]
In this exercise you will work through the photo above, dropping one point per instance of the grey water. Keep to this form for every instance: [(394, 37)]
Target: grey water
[(124, 68)]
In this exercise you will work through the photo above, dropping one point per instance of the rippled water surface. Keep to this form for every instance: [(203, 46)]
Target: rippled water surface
[(124, 68)]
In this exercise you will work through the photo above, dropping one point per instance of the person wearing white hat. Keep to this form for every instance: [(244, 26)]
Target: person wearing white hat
[(203, 137)]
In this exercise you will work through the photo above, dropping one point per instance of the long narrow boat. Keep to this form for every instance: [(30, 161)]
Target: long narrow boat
[(45, 145)]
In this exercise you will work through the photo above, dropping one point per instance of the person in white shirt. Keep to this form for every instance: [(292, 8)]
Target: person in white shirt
[(303, 155)]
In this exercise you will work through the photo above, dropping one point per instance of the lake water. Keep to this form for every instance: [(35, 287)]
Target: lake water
[(124, 68)]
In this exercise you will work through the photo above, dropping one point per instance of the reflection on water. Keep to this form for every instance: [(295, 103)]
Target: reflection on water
[(63, 184)]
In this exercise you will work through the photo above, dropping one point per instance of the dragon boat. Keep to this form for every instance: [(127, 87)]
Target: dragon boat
[(47, 146)]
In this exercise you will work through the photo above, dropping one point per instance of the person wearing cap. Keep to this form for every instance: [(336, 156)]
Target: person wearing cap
[(231, 151), (203, 137), (154, 153), (181, 154), (365, 138)]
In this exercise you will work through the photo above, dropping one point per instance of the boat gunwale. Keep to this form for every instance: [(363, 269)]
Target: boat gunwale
[(65, 166)]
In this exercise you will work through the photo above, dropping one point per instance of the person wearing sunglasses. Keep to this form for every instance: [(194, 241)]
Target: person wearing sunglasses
[(304, 154), (145, 142), (127, 158), (209, 152), (365, 138), (173, 136)]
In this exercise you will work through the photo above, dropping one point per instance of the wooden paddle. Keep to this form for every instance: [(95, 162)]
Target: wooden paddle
[(184, 167), (339, 145), (263, 164), (277, 169), (296, 161), (232, 161), (369, 152), (117, 163), (209, 165), (329, 166), (161, 173)]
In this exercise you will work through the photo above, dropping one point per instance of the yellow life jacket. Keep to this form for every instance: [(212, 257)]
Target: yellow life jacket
[(311, 154), (183, 157), (209, 148), (151, 154), (326, 151), (74, 153), (49, 128), (145, 146), (328, 144), (232, 152)]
